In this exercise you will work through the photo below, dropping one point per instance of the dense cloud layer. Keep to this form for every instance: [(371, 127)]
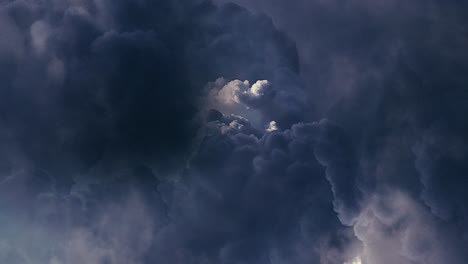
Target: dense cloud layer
[(185, 132), (393, 75), (100, 79)]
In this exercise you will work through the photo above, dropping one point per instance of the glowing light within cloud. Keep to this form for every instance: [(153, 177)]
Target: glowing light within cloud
[(272, 126), (356, 260)]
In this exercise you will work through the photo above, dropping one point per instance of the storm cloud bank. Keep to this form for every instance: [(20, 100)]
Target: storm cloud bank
[(191, 132)]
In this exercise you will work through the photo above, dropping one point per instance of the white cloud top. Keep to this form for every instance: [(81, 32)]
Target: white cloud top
[(272, 126), (258, 88), (238, 97), (232, 92)]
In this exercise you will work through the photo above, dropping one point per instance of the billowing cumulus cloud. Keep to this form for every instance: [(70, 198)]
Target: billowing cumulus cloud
[(392, 75), (196, 132), (259, 102)]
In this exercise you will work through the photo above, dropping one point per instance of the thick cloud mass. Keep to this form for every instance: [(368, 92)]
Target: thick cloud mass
[(393, 76), (183, 131), (118, 79)]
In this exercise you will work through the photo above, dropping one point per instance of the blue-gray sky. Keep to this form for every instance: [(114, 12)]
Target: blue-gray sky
[(244, 132)]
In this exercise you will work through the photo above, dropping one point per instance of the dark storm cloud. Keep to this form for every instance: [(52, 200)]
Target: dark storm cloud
[(393, 75), (272, 204), (68, 89), (87, 81), (182, 132), (99, 112)]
